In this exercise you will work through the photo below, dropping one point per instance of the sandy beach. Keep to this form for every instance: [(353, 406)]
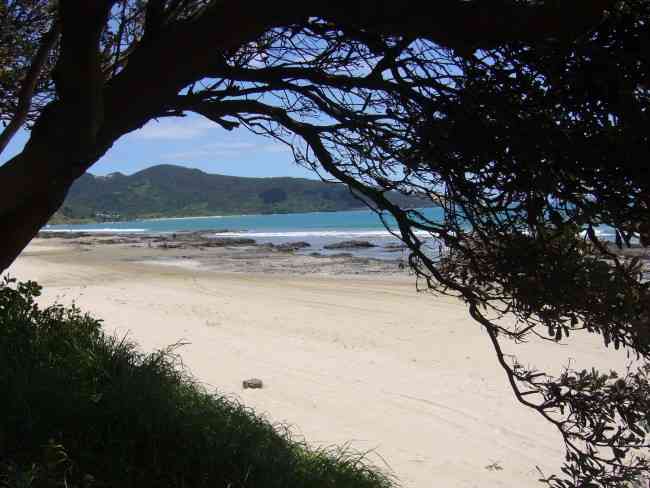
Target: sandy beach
[(349, 352)]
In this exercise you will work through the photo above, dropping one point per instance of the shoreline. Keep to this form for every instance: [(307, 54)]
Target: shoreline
[(217, 250), (349, 354), (155, 219)]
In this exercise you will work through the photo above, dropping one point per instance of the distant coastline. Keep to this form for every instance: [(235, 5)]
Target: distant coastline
[(168, 191), (65, 221)]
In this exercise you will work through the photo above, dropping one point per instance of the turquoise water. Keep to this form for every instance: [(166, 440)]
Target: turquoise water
[(358, 222), (317, 228)]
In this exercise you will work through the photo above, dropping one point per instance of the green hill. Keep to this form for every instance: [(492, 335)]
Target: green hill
[(175, 191)]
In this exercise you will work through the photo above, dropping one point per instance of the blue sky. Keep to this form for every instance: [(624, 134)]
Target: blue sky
[(195, 142)]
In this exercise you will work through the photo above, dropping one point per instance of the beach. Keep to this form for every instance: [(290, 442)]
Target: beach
[(349, 352)]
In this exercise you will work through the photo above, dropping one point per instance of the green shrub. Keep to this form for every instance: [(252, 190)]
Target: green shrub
[(82, 408)]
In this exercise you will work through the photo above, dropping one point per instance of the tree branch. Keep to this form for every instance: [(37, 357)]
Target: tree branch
[(29, 85)]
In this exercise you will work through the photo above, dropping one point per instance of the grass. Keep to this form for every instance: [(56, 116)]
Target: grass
[(81, 408)]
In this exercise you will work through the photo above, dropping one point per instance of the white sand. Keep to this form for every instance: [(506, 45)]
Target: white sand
[(364, 361)]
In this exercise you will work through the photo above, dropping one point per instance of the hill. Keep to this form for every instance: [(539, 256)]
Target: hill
[(175, 191)]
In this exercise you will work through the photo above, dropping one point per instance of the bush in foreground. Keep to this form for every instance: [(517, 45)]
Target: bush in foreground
[(81, 408)]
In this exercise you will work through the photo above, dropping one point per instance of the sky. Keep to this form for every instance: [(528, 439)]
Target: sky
[(195, 142)]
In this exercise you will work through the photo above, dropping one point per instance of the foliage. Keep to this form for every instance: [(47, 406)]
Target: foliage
[(81, 408), (526, 121), (22, 25), (173, 191), (526, 164)]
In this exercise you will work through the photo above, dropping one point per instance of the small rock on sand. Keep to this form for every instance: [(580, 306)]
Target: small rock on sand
[(252, 383)]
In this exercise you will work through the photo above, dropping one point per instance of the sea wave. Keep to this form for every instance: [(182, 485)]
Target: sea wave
[(311, 233), (200, 217)]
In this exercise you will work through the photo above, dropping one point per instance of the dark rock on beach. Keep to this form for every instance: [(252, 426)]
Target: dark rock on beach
[(350, 245), (205, 243), (292, 246), (116, 240), (394, 247), (228, 241), (193, 235), (252, 383), (62, 235)]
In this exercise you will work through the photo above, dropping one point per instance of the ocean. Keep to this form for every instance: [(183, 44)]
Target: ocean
[(316, 228)]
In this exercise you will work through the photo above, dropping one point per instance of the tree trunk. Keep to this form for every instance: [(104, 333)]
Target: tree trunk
[(21, 224), (34, 185)]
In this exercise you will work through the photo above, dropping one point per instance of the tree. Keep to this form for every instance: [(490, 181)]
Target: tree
[(524, 121)]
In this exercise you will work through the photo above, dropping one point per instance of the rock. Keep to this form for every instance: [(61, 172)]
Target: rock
[(218, 242), (350, 245), (252, 383), (62, 235), (292, 246), (229, 241), (173, 245), (340, 255), (115, 240), (395, 246), (196, 235)]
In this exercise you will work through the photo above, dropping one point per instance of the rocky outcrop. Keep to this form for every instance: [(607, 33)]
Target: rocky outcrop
[(354, 244), (228, 241), (292, 246), (395, 247), (62, 235)]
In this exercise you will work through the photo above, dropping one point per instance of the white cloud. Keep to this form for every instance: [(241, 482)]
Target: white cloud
[(228, 149), (176, 128), (230, 146)]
